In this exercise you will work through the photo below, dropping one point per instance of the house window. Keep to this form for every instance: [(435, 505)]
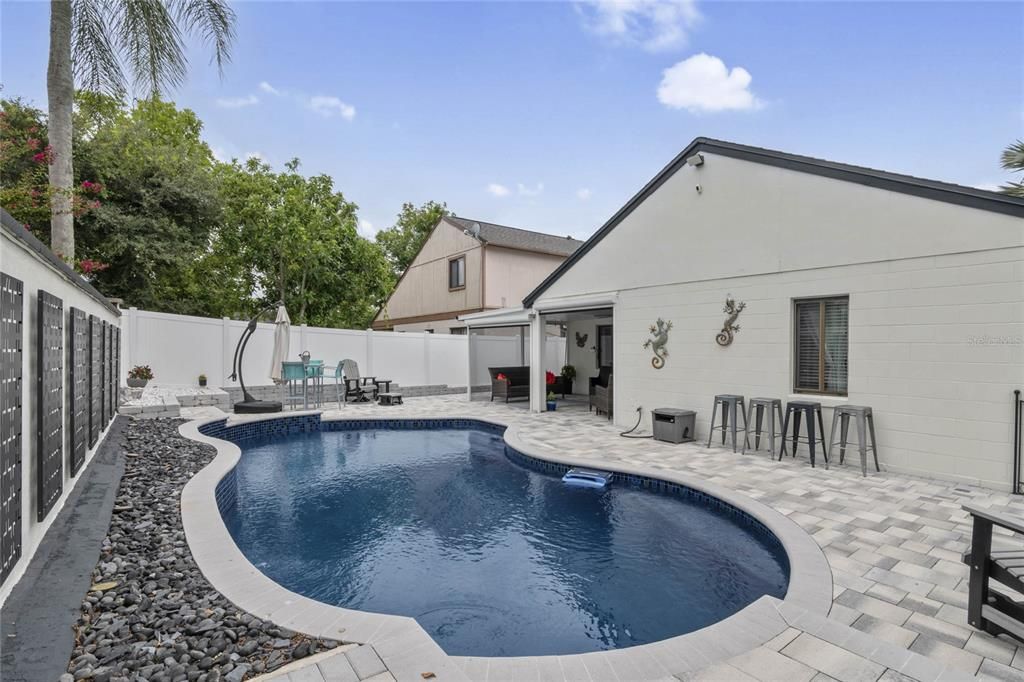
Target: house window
[(460, 331), (457, 273), (821, 337)]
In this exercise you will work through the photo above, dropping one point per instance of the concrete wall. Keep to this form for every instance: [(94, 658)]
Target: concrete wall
[(36, 272), (509, 275), (936, 306)]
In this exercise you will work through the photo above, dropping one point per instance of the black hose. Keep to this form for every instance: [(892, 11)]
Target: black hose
[(639, 416)]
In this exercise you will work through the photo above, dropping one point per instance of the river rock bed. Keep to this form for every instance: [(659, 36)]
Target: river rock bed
[(150, 614)]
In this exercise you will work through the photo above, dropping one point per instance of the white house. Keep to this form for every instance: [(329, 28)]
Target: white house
[(916, 287)]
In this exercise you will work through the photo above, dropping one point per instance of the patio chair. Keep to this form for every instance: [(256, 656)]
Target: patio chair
[(602, 398), (361, 388), (988, 609), (601, 379), (294, 375)]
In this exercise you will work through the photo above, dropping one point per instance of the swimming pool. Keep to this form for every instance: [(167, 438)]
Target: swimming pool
[(492, 557)]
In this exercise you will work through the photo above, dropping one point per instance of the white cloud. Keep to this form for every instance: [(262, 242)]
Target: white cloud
[(269, 89), (525, 191), (498, 190), (237, 102), (366, 228), (703, 83), (328, 106), (653, 24), (584, 193)]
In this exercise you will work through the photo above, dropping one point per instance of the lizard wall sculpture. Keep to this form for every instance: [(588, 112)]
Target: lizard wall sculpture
[(659, 337), (729, 329)]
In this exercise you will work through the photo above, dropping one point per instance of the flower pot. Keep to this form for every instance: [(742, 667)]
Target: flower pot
[(202, 382), (552, 406), (137, 383)]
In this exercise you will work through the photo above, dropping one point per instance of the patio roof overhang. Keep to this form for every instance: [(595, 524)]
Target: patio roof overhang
[(576, 303), (503, 317)]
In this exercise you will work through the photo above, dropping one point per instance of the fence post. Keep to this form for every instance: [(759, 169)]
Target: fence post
[(426, 358), (132, 329), (369, 352), (227, 358)]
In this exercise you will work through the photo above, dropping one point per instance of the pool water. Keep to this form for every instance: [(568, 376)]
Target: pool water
[(492, 559)]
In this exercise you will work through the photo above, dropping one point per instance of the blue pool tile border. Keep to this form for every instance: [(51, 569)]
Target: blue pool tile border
[(241, 433)]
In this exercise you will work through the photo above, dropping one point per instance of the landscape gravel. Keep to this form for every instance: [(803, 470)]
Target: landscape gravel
[(149, 613)]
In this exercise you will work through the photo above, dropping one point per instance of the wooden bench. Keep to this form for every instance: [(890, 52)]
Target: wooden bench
[(988, 609)]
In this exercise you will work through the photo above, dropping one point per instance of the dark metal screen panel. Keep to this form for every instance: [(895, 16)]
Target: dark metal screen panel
[(115, 379), (11, 343), (78, 398), (50, 395), (104, 374), (110, 372), (95, 369)]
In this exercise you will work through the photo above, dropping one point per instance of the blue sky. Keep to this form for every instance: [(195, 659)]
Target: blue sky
[(549, 116)]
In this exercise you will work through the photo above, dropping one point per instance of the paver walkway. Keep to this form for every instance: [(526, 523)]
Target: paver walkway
[(893, 542)]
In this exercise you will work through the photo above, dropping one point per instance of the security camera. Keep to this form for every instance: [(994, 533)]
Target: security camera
[(699, 189)]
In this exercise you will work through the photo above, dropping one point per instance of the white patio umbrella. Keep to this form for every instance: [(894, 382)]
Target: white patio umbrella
[(282, 329)]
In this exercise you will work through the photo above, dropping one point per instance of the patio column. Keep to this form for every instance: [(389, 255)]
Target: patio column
[(470, 355), (538, 389)]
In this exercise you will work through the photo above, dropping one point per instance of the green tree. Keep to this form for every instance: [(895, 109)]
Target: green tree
[(160, 205), (1013, 160), (95, 39), (402, 241), (294, 238)]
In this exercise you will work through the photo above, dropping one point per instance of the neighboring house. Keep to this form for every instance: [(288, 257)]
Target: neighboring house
[(468, 266), (861, 287)]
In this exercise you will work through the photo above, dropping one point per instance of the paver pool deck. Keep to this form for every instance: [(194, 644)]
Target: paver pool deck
[(893, 544)]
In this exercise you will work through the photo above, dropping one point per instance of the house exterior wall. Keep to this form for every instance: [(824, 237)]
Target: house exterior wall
[(423, 289), (936, 306), (35, 273), (510, 274)]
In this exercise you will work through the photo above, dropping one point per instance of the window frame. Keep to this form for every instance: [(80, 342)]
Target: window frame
[(462, 271), (599, 345), (821, 301)]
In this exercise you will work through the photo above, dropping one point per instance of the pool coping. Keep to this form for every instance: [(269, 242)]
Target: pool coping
[(406, 648)]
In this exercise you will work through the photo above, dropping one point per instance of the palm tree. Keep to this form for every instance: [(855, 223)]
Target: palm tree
[(1013, 160), (95, 40)]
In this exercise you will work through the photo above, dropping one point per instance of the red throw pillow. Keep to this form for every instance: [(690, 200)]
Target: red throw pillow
[(550, 378), (502, 377)]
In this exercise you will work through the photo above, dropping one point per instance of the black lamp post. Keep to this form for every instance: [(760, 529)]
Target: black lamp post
[(250, 405)]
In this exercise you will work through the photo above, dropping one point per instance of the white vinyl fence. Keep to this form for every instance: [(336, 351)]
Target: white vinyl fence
[(181, 347)]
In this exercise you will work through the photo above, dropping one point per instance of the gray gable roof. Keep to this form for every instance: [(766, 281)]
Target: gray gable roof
[(893, 182), (515, 238)]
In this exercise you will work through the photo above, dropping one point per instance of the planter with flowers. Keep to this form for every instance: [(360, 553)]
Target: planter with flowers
[(202, 380), (139, 376), (552, 403)]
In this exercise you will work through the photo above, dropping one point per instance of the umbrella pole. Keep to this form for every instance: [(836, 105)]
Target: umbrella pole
[(248, 404)]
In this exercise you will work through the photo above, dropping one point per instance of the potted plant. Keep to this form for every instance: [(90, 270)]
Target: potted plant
[(202, 380), (552, 405), (139, 376), (568, 376)]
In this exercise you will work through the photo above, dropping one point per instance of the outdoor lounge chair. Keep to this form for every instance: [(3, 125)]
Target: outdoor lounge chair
[(601, 379), (602, 398), (515, 384), (988, 609), (361, 388)]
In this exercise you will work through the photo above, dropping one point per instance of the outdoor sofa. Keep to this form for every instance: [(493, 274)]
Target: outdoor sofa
[(515, 384)]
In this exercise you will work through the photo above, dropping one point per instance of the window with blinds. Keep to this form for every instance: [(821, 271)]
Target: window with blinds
[(457, 273), (822, 350)]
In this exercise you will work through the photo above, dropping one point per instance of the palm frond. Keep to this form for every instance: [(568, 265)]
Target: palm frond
[(213, 21), (1014, 189), (1013, 156), (151, 44), (96, 63)]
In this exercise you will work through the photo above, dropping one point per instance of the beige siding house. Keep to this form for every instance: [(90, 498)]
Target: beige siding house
[(469, 266)]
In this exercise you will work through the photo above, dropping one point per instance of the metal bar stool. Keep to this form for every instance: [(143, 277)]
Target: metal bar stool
[(865, 422), (757, 408), (797, 409), (729, 405), (293, 373)]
